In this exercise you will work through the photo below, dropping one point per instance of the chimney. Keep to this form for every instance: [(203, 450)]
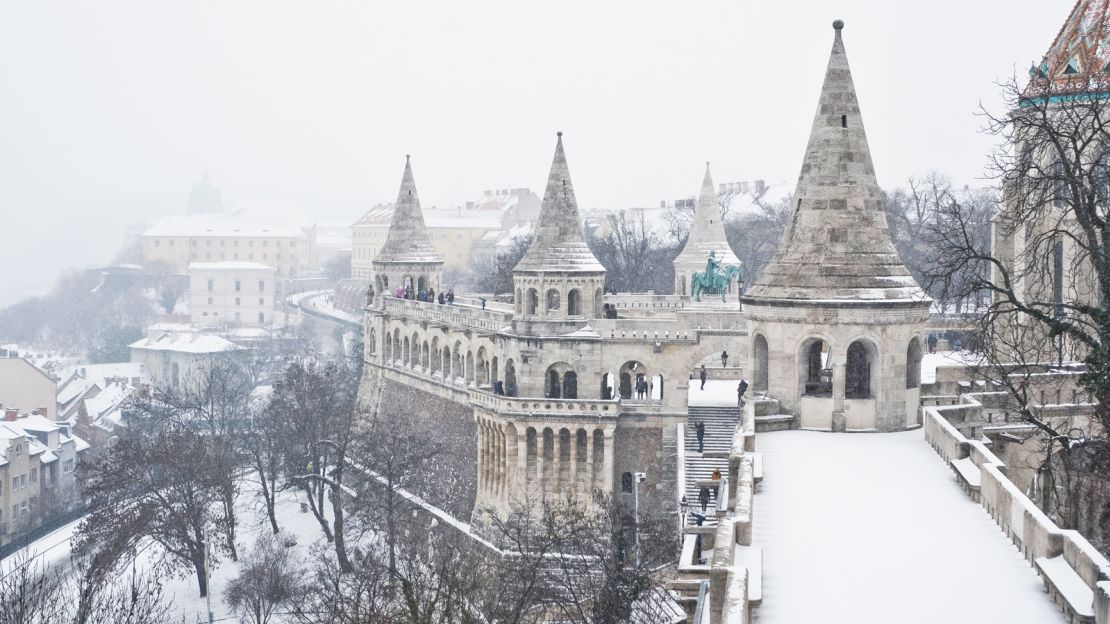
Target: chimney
[(11, 414), (760, 186), (39, 411)]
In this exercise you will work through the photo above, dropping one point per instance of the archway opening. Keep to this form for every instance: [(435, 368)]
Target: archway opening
[(552, 388), (633, 380), (857, 371), (759, 363), (913, 363), (510, 378), (533, 301), (574, 303), (570, 385), (552, 302), (817, 375)]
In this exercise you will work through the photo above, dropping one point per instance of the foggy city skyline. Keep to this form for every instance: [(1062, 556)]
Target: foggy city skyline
[(112, 111)]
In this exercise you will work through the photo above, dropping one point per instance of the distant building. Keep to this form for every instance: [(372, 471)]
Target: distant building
[(457, 234), (204, 198), (231, 293), (38, 458), (179, 241), (177, 359), (27, 387)]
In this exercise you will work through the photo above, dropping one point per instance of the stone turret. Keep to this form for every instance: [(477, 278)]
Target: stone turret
[(559, 283), (407, 257), (835, 319), (707, 234)]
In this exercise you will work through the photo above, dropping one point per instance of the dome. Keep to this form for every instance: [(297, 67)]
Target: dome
[(204, 198)]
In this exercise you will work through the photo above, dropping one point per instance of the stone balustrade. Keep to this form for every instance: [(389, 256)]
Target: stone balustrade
[(1037, 537), (456, 316), (648, 330), (648, 302), (546, 408)]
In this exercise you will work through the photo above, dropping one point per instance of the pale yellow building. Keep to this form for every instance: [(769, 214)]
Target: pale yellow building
[(27, 387), (179, 241)]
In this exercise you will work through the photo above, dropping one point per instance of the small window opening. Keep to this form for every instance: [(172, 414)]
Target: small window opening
[(843, 121)]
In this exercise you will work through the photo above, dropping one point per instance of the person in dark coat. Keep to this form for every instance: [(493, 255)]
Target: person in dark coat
[(699, 429), (703, 498), (741, 388), (932, 341), (451, 297), (431, 295), (724, 359), (704, 375), (442, 299)]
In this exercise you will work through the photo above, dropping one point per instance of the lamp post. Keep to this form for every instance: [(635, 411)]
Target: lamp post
[(683, 505)]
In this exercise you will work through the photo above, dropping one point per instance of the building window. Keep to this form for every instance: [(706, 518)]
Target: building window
[(157, 242), (236, 317), (277, 243), (626, 483), (34, 475), (171, 242), (261, 301), (15, 483), (222, 243), (238, 286), (211, 284), (210, 301), (236, 301), (261, 285), (67, 466), (261, 317)]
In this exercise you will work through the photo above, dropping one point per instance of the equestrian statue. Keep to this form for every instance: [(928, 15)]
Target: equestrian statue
[(714, 280)]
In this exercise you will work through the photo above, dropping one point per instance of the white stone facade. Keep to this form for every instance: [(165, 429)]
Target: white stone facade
[(235, 294)]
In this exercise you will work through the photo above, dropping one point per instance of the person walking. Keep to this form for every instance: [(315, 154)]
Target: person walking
[(704, 375), (932, 340), (483, 300), (703, 498), (451, 297), (724, 359), (699, 430), (741, 388), (442, 299)]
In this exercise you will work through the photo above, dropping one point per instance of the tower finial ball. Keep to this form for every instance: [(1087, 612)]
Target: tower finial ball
[(559, 134), (838, 24)]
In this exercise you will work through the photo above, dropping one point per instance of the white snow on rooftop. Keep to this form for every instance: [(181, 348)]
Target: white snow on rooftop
[(230, 265), (185, 343), (215, 226), (873, 528)]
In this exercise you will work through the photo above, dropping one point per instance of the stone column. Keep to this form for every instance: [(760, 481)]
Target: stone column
[(574, 464), (520, 472), (607, 476), (541, 453), (590, 469)]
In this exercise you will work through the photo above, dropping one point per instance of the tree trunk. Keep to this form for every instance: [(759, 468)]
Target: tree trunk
[(317, 511), (340, 540), (202, 582)]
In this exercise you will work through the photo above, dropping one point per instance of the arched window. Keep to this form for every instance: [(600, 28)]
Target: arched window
[(630, 373), (599, 300), (857, 372), (421, 283), (510, 378), (533, 301), (436, 355), (518, 301), (570, 385), (552, 300), (913, 363), (816, 368), (405, 352), (759, 363), (682, 285), (372, 343), (425, 359), (552, 387), (626, 483), (447, 360), (574, 303)]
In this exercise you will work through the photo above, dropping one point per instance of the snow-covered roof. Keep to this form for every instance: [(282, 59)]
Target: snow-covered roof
[(27, 425), (218, 226), (185, 343), (230, 266)]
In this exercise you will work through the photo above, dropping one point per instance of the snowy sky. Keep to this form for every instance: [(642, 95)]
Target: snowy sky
[(110, 110)]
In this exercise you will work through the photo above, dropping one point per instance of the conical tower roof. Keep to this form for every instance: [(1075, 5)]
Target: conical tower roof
[(407, 241), (1079, 58), (707, 233), (558, 245), (837, 246)]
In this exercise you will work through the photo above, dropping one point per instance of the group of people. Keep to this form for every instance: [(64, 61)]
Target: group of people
[(609, 311), (427, 296), (643, 388)]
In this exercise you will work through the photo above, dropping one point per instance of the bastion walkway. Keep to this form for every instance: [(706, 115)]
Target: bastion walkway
[(873, 528)]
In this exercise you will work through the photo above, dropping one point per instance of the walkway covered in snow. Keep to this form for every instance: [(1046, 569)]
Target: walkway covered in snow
[(871, 528)]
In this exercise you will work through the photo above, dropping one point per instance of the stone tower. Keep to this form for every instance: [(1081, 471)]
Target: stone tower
[(407, 258), (836, 319), (707, 234), (559, 283)]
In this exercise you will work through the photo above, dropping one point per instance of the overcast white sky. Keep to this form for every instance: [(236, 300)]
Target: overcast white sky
[(110, 110)]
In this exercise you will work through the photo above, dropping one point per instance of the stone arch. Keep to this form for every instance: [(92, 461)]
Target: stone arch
[(481, 368), (510, 378), (630, 371), (608, 388), (533, 302), (493, 378), (552, 302), (859, 370), (421, 283), (574, 302), (570, 385), (914, 356), (598, 469), (760, 356), (815, 367), (553, 380)]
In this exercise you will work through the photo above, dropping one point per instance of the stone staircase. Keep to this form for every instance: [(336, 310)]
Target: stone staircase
[(769, 416), (720, 425)]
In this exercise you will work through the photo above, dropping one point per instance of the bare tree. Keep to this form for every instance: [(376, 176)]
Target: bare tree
[(494, 274), (1048, 271), (636, 258), (755, 234), (269, 581)]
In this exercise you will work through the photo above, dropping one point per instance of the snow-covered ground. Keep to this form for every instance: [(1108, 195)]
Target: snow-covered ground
[(718, 392), (872, 528), (930, 362)]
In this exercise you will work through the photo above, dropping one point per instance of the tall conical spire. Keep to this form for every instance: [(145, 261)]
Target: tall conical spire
[(707, 232), (837, 245), (407, 240), (558, 244)]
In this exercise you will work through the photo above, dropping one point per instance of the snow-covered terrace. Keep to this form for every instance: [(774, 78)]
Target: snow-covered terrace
[(873, 528)]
